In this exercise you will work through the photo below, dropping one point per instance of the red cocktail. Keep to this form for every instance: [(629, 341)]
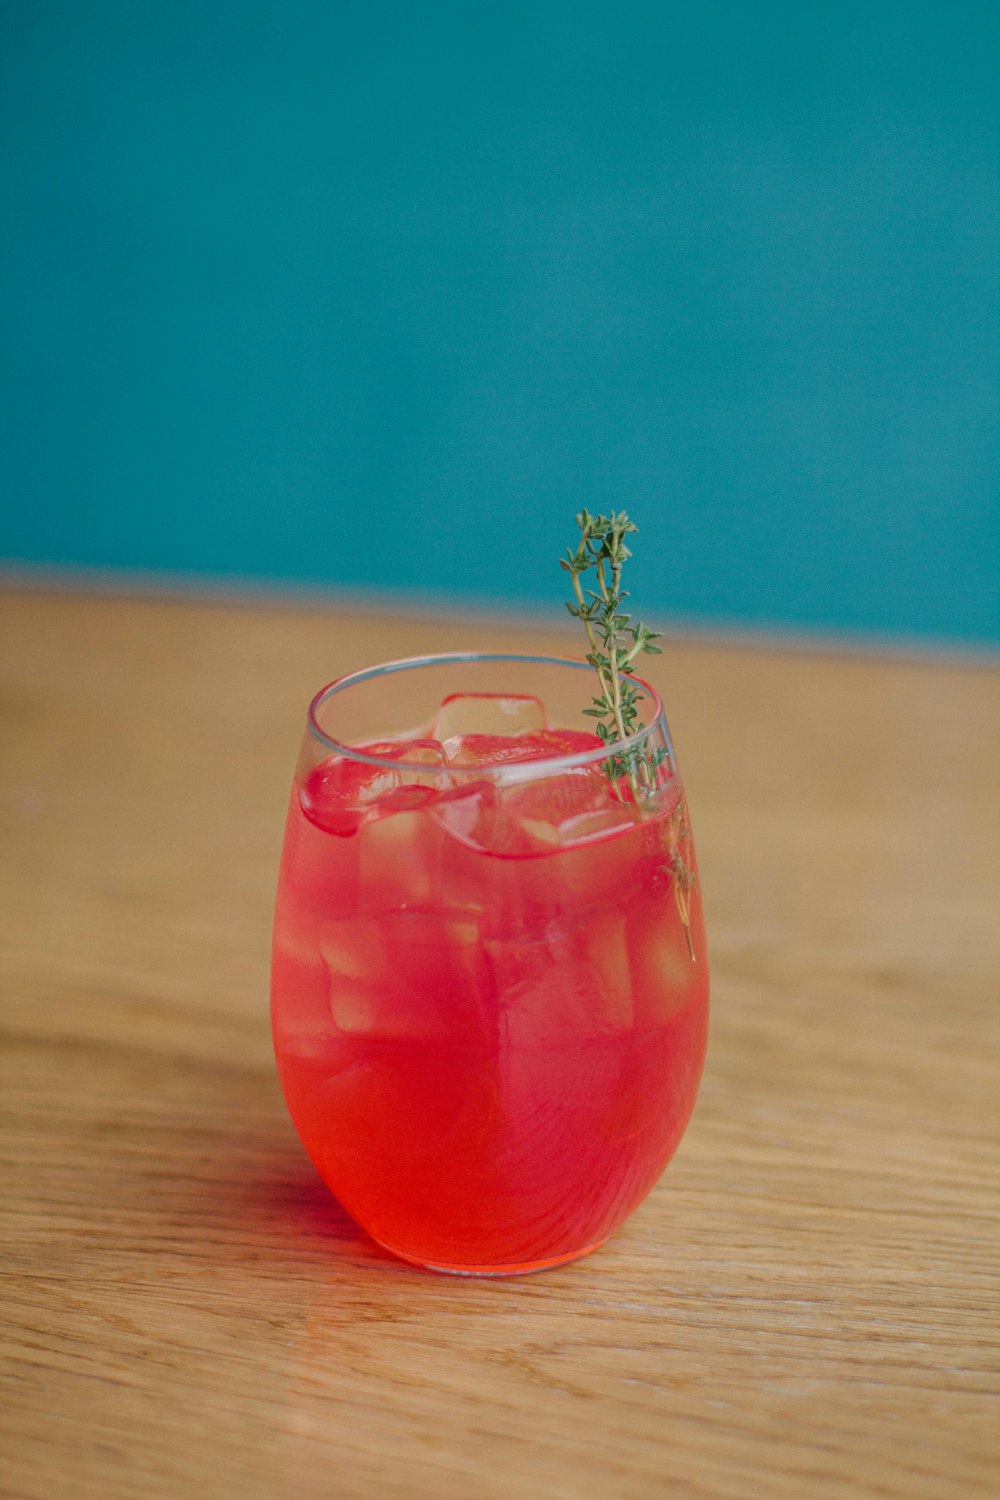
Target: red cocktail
[(490, 985)]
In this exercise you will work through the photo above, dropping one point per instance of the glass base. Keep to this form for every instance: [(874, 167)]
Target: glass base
[(524, 1268)]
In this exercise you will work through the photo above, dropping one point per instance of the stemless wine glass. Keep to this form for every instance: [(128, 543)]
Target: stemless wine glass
[(490, 983)]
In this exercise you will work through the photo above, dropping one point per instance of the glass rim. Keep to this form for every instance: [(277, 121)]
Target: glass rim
[(552, 764)]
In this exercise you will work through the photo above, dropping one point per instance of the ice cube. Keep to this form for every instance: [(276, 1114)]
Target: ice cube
[(362, 1009), (489, 714), (319, 874), (474, 816), (399, 856), (419, 762), (350, 949), (555, 742), (537, 849), (665, 976), (505, 750), (337, 794), (298, 985), (405, 973), (573, 983), (415, 763), (461, 809), (562, 799), (537, 815), (606, 951), (487, 749), (538, 832)]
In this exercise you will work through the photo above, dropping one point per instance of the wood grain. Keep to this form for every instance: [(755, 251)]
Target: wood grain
[(805, 1308)]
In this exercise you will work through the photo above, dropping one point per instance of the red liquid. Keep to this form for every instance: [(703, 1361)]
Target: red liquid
[(489, 1041)]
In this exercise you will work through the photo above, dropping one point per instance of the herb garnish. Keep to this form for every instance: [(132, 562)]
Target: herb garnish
[(680, 870), (615, 641)]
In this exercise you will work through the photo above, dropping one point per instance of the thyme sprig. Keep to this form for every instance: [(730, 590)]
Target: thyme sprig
[(679, 868), (615, 642)]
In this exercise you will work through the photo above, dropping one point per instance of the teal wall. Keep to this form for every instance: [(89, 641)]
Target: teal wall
[(380, 293)]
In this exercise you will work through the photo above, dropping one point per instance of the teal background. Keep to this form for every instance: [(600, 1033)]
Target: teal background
[(378, 294)]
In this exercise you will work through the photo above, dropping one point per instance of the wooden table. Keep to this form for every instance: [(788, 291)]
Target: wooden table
[(804, 1308)]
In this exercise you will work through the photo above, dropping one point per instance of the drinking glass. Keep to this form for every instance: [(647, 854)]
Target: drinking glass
[(490, 980)]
